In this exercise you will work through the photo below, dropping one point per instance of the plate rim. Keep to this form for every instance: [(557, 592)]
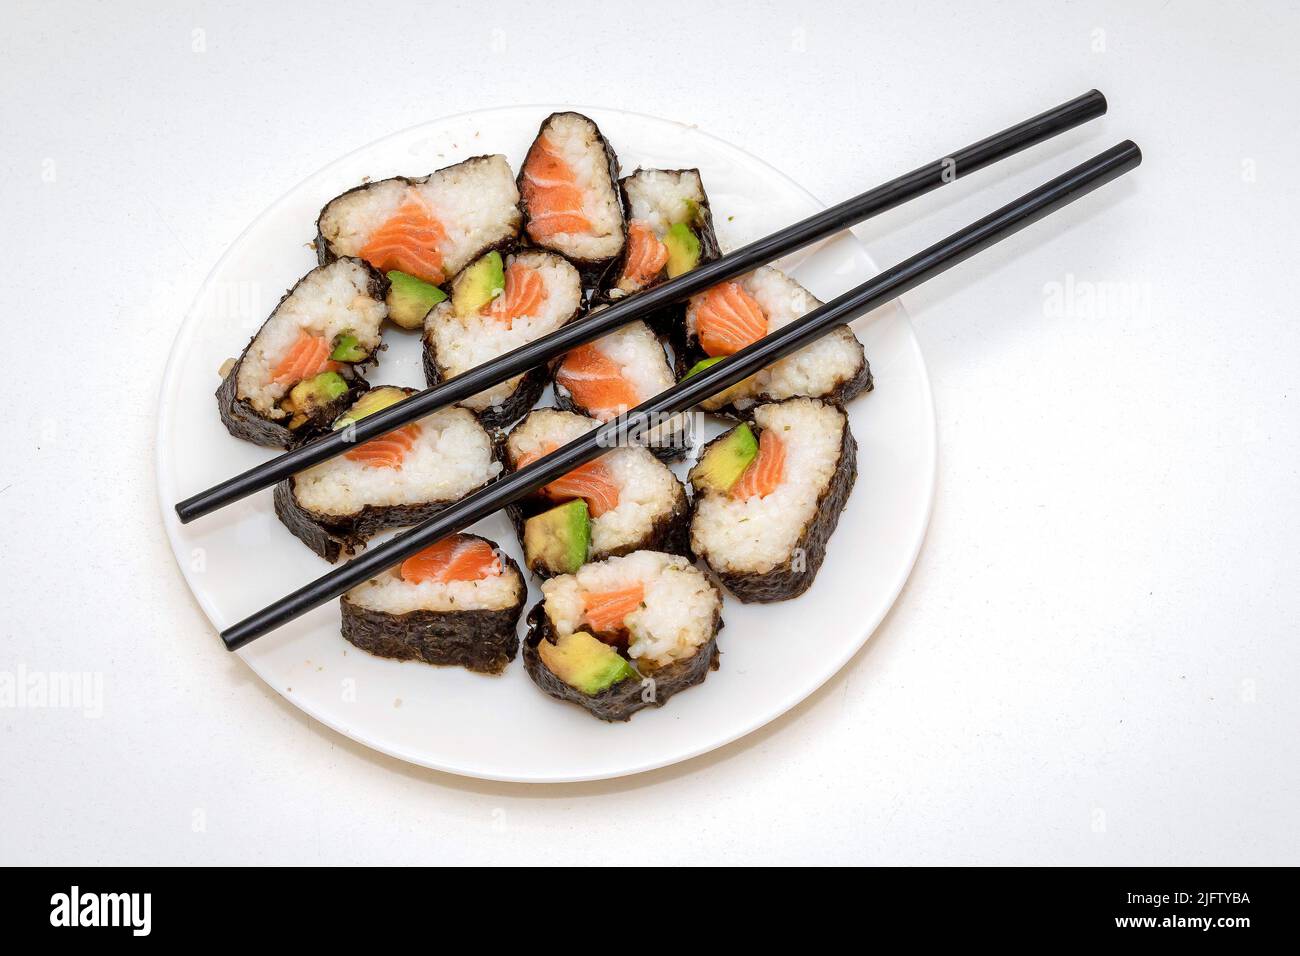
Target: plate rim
[(172, 525)]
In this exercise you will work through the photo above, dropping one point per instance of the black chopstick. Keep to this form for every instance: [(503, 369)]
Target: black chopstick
[(781, 243), (890, 284)]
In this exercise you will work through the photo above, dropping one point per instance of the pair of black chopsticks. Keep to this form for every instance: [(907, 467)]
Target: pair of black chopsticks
[(890, 284)]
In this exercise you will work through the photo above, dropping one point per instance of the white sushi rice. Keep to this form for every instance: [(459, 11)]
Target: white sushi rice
[(647, 489), (452, 457), (662, 197), (390, 594), (758, 534), (577, 141), (677, 614), (476, 202), (329, 301), (815, 370), (640, 357), (461, 344)]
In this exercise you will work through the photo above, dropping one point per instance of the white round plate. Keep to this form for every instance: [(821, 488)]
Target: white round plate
[(504, 728)]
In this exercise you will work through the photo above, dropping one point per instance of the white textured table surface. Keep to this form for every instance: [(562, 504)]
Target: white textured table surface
[(1096, 657)]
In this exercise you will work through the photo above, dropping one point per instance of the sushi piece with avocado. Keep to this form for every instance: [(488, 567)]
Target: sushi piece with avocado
[(617, 372), (497, 304), (626, 500), (457, 602), (428, 228), (669, 229), (728, 317), (624, 634), (569, 196), (304, 364), (768, 495), (397, 479)]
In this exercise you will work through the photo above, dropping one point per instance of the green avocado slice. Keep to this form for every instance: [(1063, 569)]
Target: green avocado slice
[(410, 299), (478, 285), (683, 249), (369, 403), (725, 461), (556, 541), (585, 663)]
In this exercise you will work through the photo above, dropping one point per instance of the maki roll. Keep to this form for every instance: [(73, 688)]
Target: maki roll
[(499, 304), (426, 229), (624, 634), (570, 202), (730, 316), (669, 228), (396, 479), (605, 378), (301, 368), (455, 602), (626, 500), (769, 494)]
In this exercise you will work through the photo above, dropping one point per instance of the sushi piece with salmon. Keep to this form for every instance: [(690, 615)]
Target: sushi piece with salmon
[(726, 318), (497, 304), (422, 231), (669, 233), (768, 495), (626, 500), (624, 634), (397, 479), (303, 367), (569, 195), (457, 602), (607, 377)]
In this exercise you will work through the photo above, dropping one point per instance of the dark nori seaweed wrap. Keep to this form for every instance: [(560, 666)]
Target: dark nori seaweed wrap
[(243, 421), (622, 700), (669, 533), (592, 271), (667, 320), (480, 640), (333, 536), (325, 253), (786, 580), (520, 402)]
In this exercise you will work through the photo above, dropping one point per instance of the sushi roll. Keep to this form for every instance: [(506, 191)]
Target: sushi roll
[(425, 230), (569, 197), (669, 229), (626, 500), (496, 305), (605, 378), (455, 602), (398, 479), (768, 496), (302, 367), (625, 634), (730, 316)]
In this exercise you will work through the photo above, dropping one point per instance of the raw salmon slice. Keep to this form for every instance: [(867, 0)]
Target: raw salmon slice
[(646, 255), (308, 356), (591, 482), (606, 611), (386, 451), (556, 223), (764, 473), (596, 382), (524, 295), (409, 242), (551, 193), (458, 558), (727, 318)]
